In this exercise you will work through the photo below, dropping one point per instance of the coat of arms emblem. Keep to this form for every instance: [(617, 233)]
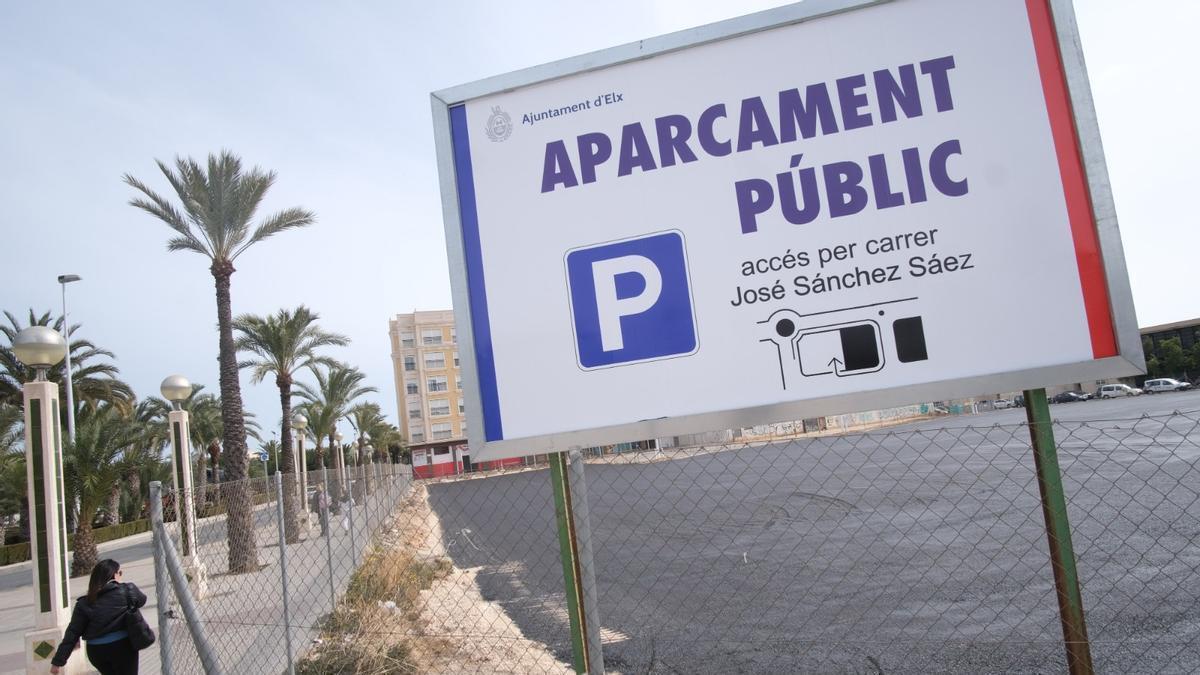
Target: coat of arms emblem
[(499, 125)]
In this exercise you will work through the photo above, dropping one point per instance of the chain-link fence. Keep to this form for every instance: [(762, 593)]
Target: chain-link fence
[(917, 549), (243, 612)]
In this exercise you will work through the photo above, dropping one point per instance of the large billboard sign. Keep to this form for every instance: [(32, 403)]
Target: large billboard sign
[(831, 206)]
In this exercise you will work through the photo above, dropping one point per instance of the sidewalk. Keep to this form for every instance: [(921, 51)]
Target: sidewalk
[(16, 600), (135, 553)]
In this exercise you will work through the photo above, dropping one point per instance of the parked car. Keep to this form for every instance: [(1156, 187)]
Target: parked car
[(1117, 390), (1019, 400), (1164, 384), (1068, 397), (1002, 403)]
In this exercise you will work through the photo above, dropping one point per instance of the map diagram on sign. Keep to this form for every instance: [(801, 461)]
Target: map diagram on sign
[(843, 342)]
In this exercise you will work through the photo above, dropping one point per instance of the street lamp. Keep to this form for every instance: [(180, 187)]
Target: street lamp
[(177, 389), (63, 280), (300, 465), (339, 462), (40, 348)]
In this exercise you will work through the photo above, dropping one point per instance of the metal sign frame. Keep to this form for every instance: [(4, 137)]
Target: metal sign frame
[(1129, 359)]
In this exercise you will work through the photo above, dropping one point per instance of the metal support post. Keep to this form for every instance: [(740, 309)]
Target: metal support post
[(328, 544), (283, 573), (160, 579), (1058, 532), (561, 483), (353, 537), (191, 614), (587, 567)]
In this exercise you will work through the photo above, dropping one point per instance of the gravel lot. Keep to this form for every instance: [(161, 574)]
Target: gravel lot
[(918, 549)]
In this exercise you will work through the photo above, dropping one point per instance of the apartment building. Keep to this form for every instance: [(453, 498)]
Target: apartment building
[(429, 391)]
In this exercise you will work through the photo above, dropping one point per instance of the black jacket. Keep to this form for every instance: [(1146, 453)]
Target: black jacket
[(91, 620)]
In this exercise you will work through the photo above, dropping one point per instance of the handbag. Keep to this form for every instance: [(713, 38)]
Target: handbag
[(140, 634)]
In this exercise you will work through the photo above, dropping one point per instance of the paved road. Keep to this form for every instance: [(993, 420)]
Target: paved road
[(917, 549)]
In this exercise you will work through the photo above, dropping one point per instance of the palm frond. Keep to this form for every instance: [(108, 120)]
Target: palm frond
[(287, 219)]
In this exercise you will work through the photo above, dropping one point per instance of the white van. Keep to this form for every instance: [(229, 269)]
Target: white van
[(1164, 384), (1115, 390)]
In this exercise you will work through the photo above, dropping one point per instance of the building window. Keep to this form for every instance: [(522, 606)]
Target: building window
[(461, 408), (410, 362), (453, 335), (431, 336), (410, 387), (414, 413), (456, 358), (437, 383), (418, 436), (442, 430), (407, 340), (458, 382), (439, 407), (435, 360)]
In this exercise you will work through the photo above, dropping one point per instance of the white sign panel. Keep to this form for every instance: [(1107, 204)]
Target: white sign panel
[(791, 214)]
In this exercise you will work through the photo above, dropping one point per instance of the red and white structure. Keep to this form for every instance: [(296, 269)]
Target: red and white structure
[(451, 458)]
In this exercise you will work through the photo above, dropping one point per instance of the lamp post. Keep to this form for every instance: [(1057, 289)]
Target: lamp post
[(371, 471), (366, 454), (40, 348), (300, 465), (177, 389), (63, 280), (339, 463)]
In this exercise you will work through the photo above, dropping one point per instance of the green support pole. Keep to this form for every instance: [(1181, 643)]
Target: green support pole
[(566, 547), (1058, 532)]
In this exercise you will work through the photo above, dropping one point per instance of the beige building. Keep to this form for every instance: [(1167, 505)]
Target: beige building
[(429, 394)]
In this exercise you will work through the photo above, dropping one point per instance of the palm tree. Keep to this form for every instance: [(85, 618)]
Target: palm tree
[(95, 382), (91, 466), (364, 417), (389, 443), (337, 388), (13, 501), (218, 202), (284, 343)]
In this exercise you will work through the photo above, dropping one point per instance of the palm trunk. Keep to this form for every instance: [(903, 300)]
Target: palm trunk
[(85, 555), (200, 499), (134, 478), (334, 451), (243, 547), (113, 514), (364, 460), (291, 520)]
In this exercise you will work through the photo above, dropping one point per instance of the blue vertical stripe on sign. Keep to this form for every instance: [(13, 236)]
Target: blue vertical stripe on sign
[(485, 362)]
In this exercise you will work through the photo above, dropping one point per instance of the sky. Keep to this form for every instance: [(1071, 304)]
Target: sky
[(334, 97)]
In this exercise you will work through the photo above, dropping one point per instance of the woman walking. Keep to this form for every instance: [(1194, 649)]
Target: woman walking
[(99, 618)]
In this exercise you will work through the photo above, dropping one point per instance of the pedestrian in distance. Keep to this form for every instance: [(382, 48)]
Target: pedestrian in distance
[(322, 504), (99, 618)]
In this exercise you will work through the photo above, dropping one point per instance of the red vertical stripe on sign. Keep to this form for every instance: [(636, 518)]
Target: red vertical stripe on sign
[(1070, 164)]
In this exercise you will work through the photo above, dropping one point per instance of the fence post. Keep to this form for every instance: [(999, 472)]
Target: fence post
[(328, 544), (191, 614), (587, 568), (350, 520), (561, 483), (1058, 532), (283, 573), (160, 578)]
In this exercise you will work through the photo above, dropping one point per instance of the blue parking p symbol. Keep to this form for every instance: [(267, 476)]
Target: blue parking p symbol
[(631, 300)]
